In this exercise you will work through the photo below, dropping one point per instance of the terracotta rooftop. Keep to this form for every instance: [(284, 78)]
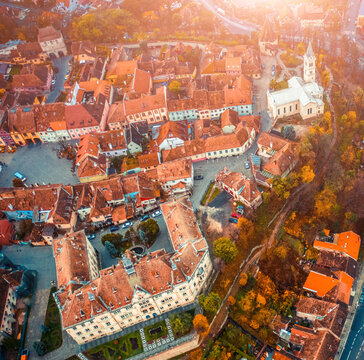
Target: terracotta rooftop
[(174, 170), (229, 118), (345, 242), (271, 141), (145, 103), (22, 120), (48, 33), (70, 254), (116, 114), (142, 82), (246, 188), (172, 129), (123, 68), (86, 47), (181, 222), (90, 166), (149, 160), (87, 146), (83, 116), (50, 116), (31, 76)]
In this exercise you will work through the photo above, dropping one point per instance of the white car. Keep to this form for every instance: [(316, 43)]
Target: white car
[(156, 214)]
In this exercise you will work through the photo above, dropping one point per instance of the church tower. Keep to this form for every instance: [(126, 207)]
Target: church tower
[(309, 68)]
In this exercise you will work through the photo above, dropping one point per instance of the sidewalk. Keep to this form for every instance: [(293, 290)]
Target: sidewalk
[(358, 285)]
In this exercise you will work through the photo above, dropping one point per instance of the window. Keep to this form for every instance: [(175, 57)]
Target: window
[(279, 111), (284, 109), (296, 106), (290, 108)]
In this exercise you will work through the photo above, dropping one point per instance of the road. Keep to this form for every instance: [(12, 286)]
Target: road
[(234, 25), (354, 348), (63, 66)]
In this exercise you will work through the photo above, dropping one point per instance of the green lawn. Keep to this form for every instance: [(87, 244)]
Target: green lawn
[(208, 192), (156, 335), (121, 348), (52, 337)]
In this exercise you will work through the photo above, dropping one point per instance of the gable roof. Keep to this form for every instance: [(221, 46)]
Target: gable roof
[(346, 242), (48, 33), (267, 34), (142, 82)]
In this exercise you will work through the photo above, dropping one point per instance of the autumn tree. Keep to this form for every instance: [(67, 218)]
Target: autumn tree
[(325, 78), (324, 202), (283, 186), (243, 279), (301, 49), (281, 251), (311, 253), (225, 249), (210, 303), (231, 300), (17, 182), (196, 354), (247, 229), (200, 324), (307, 174), (175, 86)]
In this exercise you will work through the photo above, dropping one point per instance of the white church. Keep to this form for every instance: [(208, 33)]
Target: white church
[(302, 97)]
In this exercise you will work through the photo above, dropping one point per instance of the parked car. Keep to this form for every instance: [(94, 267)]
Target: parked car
[(273, 67), (20, 176), (144, 217), (126, 225), (156, 213), (247, 165), (234, 215), (114, 228), (233, 220), (240, 210), (56, 70), (91, 236), (198, 177), (24, 355)]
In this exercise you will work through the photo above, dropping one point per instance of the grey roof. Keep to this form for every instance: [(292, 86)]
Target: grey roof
[(309, 51), (298, 90)]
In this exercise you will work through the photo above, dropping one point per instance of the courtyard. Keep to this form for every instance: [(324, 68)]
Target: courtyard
[(39, 164)]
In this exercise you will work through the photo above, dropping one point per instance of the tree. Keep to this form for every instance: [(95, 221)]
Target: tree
[(17, 183), (181, 323), (150, 229), (175, 86), (40, 347), (243, 279), (114, 238), (307, 174), (116, 162), (200, 324), (358, 96), (225, 249), (210, 303), (288, 132), (25, 228), (196, 354), (325, 78), (111, 249), (301, 49), (324, 202), (312, 253), (246, 227)]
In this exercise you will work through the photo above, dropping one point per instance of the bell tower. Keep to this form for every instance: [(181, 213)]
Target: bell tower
[(309, 67)]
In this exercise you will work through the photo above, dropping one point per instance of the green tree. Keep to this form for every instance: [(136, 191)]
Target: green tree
[(175, 86), (225, 249), (114, 238), (116, 162), (288, 132), (111, 249), (150, 229), (181, 323), (210, 303)]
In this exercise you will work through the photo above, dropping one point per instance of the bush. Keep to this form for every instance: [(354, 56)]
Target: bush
[(148, 231)]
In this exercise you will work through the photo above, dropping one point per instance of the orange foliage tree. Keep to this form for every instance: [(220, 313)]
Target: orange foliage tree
[(200, 324)]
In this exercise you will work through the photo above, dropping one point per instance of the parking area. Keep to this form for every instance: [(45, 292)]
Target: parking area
[(39, 164)]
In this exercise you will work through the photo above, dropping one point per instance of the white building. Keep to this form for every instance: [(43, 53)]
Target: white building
[(301, 97), (136, 290), (51, 41)]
